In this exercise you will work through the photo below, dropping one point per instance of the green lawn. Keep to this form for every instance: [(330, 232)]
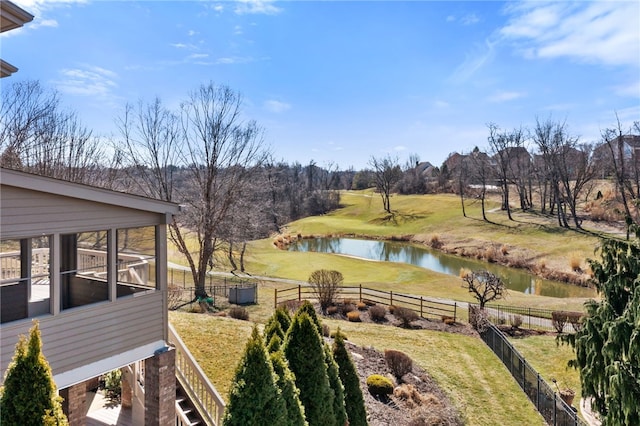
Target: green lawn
[(476, 381)]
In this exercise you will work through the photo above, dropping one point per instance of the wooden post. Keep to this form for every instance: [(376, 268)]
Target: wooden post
[(390, 298), (361, 292), (454, 311), (421, 307), (275, 299), (299, 292)]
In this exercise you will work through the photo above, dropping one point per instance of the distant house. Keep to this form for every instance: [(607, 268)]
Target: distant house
[(90, 265), (11, 17), (604, 154)]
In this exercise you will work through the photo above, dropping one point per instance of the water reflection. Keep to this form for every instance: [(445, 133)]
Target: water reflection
[(388, 251)]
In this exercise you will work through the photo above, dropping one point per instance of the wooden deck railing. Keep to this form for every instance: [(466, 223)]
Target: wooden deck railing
[(201, 392)]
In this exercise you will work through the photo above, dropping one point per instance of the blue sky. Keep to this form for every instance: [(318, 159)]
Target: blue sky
[(342, 81)]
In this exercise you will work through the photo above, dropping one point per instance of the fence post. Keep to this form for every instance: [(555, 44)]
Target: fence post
[(299, 292), (538, 394), (555, 409), (184, 273), (529, 318), (275, 299), (454, 311), (390, 298), (361, 292), (421, 307)]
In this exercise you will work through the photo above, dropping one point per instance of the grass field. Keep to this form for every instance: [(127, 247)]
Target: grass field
[(476, 381), (472, 376)]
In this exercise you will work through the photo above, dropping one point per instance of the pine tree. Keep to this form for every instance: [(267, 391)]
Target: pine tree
[(281, 315), (311, 311), (272, 328), (290, 393), (353, 399), (336, 386), (29, 394), (304, 351), (255, 398), (608, 346)]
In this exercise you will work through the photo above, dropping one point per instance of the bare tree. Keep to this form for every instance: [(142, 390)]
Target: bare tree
[(326, 286), (626, 168), (38, 136), (386, 172), (485, 286), (218, 152), (482, 174)]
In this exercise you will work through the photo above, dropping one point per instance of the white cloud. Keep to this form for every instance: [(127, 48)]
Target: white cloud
[(451, 18), (441, 104), (276, 106), (191, 33), (87, 81), (474, 61), (257, 7), (198, 56), (237, 30), (399, 148), (505, 96), (594, 32), (631, 89), (234, 60), (37, 23), (470, 19)]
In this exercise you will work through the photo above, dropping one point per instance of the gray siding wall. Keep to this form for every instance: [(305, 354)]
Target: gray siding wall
[(30, 213), (91, 333)]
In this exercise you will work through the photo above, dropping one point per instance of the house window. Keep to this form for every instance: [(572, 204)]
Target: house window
[(83, 268), (136, 260), (24, 278)]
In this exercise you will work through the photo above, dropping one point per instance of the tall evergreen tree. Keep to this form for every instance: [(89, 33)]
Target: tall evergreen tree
[(281, 314), (290, 393), (311, 311), (255, 398), (336, 386), (353, 399), (29, 394), (608, 346), (304, 350), (272, 328)]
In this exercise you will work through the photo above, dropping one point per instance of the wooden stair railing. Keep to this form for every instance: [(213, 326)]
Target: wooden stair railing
[(197, 387)]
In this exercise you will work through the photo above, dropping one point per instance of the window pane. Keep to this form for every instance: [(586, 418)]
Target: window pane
[(83, 265), (136, 260)]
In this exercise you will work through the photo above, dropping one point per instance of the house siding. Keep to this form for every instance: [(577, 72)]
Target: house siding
[(29, 213), (91, 333)]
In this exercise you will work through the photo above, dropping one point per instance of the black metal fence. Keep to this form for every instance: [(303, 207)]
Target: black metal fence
[(424, 307), (532, 318), (181, 290), (553, 408)]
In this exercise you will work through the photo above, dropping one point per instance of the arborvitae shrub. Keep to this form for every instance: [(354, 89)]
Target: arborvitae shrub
[(274, 344), (377, 313), (379, 386), (289, 391), (405, 315), (336, 385), (238, 312), (398, 362), (311, 311), (255, 398), (272, 328), (353, 399), (29, 394), (281, 314), (304, 351)]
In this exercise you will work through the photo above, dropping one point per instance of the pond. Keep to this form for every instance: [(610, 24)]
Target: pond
[(388, 251)]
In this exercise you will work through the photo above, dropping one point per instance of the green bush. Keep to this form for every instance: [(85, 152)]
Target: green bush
[(379, 386), (29, 394), (255, 398), (353, 399), (112, 385)]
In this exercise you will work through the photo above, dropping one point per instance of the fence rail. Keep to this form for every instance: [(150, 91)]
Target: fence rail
[(424, 307), (532, 318), (553, 408)]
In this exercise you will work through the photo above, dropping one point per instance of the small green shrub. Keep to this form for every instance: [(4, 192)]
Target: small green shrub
[(339, 332), (377, 313), (112, 385), (379, 386), (238, 312)]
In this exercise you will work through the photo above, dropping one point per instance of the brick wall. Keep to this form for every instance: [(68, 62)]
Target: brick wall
[(160, 389), (75, 403)]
